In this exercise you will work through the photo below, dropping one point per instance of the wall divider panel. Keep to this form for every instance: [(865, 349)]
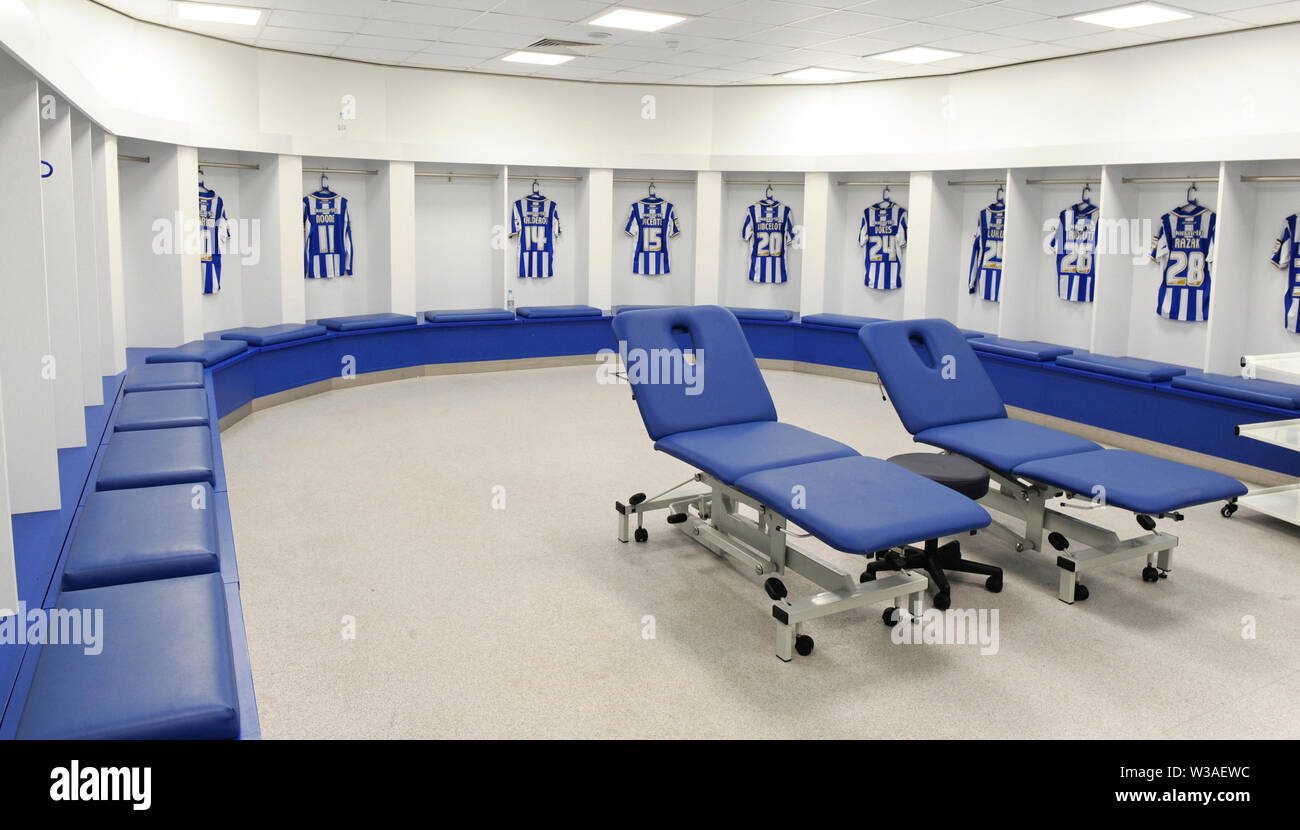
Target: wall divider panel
[(88, 263)]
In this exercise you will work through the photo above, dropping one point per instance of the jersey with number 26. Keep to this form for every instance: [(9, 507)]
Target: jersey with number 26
[(769, 229), (1184, 245)]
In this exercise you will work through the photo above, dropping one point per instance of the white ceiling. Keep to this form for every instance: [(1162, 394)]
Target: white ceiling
[(723, 42)]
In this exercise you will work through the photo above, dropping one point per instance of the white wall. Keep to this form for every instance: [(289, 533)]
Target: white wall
[(456, 265), (148, 81), (1263, 284), (88, 265)]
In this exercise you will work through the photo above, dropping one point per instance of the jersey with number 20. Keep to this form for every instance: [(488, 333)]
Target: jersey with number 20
[(768, 228), (1184, 245)]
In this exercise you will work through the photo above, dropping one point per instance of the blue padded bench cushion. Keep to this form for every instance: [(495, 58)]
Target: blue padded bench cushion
[(1252, 390), (734, 450), (861, 505), (271, 335), (774, 315), (619, 309), (1023, 349), (207, 352), (971, 334), (367, 321), (1130, 368), (468, 315), (155, 377), (840, 321), (1132, 481), (142, 534), (162, 410), (166, 670), (1003, 443), (541, 312), (151, 457)]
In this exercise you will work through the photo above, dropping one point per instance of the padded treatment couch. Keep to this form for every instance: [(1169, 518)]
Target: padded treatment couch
[(945, 398), (726, 426)]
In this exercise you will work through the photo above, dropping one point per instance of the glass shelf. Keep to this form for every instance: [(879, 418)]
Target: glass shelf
[(1280, 502), (1280, 433)]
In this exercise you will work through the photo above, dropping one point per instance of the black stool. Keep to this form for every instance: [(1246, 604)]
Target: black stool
[(971, 480)]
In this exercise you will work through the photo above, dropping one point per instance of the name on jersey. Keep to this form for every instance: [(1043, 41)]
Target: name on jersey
[(769, 224), (533, 217)]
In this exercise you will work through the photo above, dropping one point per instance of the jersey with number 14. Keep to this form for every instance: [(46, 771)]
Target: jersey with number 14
[(651, 222), (768, 228), (1286, 255), (1184, 245), (536, 222), (884, 235)]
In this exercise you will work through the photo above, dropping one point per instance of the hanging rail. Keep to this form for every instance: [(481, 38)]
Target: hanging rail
[(648, 180), (1171, 179), (979, 183), (230, 164), (1062, 181), (762, 182), (332, 170), (872, 184), (141, 159), (1270, 178), (523, 178)]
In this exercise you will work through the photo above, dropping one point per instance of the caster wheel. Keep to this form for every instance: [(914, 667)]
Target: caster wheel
[(1150, 574), (891, 616), (641, 534), (803, 645), (867, 576), (676, 518), (942, 601), (1080, 593), (1227, 510), (1146, 522), (1058, 541), (636, 499), (993, 584), (775, 588)]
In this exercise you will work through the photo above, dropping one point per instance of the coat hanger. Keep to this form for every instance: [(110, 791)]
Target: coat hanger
[(201, 184), (325, 183), (1191, 196), (767, 194), (1001, 195), (1086, 195), (652, 189), (537, 188), (884, 195)]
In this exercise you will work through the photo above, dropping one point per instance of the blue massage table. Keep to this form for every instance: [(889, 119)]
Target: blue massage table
[(945, 398), (724, 424)]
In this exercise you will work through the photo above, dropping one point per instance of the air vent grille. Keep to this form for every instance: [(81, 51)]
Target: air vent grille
[(564, 47)]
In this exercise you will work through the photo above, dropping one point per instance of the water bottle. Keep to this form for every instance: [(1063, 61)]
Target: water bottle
[(510, 300)]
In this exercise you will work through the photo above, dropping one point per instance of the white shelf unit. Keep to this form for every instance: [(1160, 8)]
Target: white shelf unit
[(1283, 501), (678, 286), (461, 240), (739, 191)]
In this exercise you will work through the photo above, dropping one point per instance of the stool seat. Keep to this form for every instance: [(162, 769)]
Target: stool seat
[(956, 472)]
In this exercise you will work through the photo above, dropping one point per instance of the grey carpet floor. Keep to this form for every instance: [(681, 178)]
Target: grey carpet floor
[(375, 509)]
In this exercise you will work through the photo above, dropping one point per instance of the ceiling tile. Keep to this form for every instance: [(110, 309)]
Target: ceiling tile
[(296, 46), (741, 49), (1200, 25), (566, 10), (703, 61), (505, 40), (442, 61), (433, 15), (396, 44), (791, 38), (1211, 6), (978, 42), (1059, 8), (716, 76), (392, 28), (684, 7), (1106, 40), (914, 9), (635, 53), (846, 24), (319, 22), (373, 55), (1268, 15), (986, 18), (719, 28), (912, 33), (766, 67), (464, 50), (1046, 30), (284, 35), (859, 46), (536, 26), (1036, 51), (767, 11)]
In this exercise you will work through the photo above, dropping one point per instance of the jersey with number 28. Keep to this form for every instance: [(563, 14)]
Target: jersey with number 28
[(1184, 245)]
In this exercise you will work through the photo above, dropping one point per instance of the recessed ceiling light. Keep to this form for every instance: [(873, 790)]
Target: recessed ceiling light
[(1127, 17), (544, 58), (205, 13), (917, 54), (815, 73), (640, 21)]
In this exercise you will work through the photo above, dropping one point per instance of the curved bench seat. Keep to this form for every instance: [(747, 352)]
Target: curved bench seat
[(763, 315), (840, 321), (207, 352), (1129, 368), (1251, 390), (359, 322), (271, 335), (162, 410), (166, 670), (157, 377), (469, 315), (1023, 349), (147, 458), (547, 312)]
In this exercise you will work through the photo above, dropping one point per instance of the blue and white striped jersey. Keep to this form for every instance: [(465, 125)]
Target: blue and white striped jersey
[(327, 226), (1075, 244), (1184, 245), (986, 251), (536, 221), (769, 229), (884, 235), (651, 221), (1286, 255), (216, 231)]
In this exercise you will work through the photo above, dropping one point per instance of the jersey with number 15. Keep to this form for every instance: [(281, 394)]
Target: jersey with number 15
[(1184, 245), (651, 222), (768, 228)]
